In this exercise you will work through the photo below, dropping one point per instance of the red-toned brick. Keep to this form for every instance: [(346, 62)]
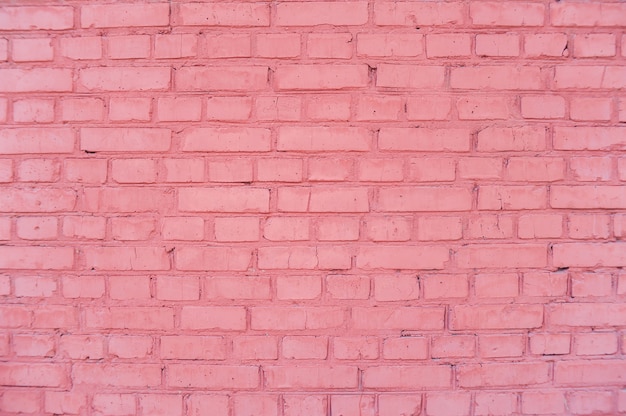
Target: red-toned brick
[(225, 139), (410, 76), (321, 13), (448, 45), (407, 377), (496, 317), (124, 78), (213, 376), (278, 45), (390, 44), (124, 15), (222, 14), (500, 45), (426, 13), (592, 14)]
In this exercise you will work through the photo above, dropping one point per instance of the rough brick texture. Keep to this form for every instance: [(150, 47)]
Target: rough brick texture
[(312, 208)]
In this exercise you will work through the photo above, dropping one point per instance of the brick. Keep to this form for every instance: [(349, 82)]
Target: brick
[(37, 18), (498, 45), (401, 318), (595, 14), (36, 200), (177, 288), (378, 108), (35, 80), (130, 346), (304, 257), (589, 402), (255, 347), (179, 109), (423, 139), (75, 287), (324, 170), (123, 375), (278, 108), (279, 170), (289, 318), (298, 287), (589, 138), (480, 168), (424, 198), (396, 287), (537, 45), (36, 140), (329, 107), (489, 226), (501, 345), (81, 48), (21, 402), (417, 13), (213, 317), (600, 343), (133, 287), (33, 374), (496, 317), (363, 348), (448, 45), (84, 227), (33, 111), (454, 346), (188, 347), (540, 226), (347, 287), (433, 228), (485, 13), (39, 258), (238, 170), (495, 197), (182, 228), (213, 376), (363, 405), (223, 14), (61, 402), (587, 314), (594, 45), (402, 257), (552, 402), (492, 403), (213, 258), (448, 404), (38, 170), (428, 108), (589, 226), (390, 44), (405, 348), (353, 13), (403, 377), (496, 78), (172, 46), (124, 15), (305, 347), (115, 404), (117, 258), (320, 77), (330, 45), (224, 199), (256, 405), (494, 374), (589, 77), (134, 170), (286, 229), (231, 78), (36, 228), (34, 286), (310, 377), (594, 109), (5, 231), (129, 47), (589, 372), (585, 197), (409, 76), (183, 170), (161, 404), (33, 50), (543, 107), (549, 344), (535, 169), (278, 45), (502, 139), (545, 284), (81, 347), (483, 108), (138, 139), (225, 139), (33, 345), (388, 228), (320, 139), (82, 109), (124, 79), (445, 286), (304, 405), (237, 288), (4, 50), (149, 318), (237, 229), (129, 109)]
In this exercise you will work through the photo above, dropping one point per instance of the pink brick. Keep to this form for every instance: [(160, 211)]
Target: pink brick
[(403, 13), (222, 14), (448, 404), (175, 46), (448, 45), (394, 288), (37, 18), (129, 47), (497, 45), (228, 45), (278, 45), (25, 50), (320, 13), (129, 109), (546, 45), (179, 109), (336, 45), (278, 108), (82, 109), (81, 48), (33, 111), (124, 15)]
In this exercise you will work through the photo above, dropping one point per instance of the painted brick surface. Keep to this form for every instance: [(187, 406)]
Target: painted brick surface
[(320, 208)]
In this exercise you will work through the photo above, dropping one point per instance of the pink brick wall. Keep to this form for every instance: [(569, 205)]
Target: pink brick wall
[(305, 208)]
